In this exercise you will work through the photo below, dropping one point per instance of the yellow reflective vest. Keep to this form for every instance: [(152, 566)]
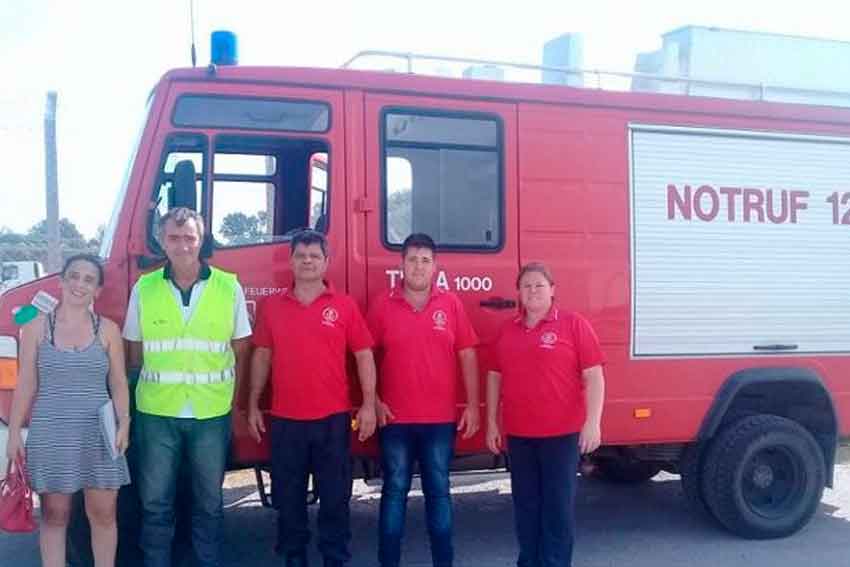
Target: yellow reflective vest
[(187, 361)]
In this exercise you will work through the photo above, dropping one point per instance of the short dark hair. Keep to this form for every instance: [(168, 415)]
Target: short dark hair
[(307, 237), (91, 259), (418, 240), (180, 215), (538, 267)]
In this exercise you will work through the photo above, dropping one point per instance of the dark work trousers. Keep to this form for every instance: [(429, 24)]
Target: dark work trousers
[(320, 447), (543, 485)]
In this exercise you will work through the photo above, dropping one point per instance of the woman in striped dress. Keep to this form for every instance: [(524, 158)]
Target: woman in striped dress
[(70, 362)]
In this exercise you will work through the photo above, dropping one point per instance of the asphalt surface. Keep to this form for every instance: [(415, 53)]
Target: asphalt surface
[(645, 525)]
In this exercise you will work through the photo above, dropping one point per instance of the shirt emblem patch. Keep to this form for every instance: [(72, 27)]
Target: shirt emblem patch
[(440, 320), (330, 316), (548, 340)]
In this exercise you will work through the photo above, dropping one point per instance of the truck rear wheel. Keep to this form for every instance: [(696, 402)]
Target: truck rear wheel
[(625, 470), (763, 477)]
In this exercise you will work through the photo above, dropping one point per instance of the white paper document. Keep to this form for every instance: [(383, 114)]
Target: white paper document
[(109, 427)]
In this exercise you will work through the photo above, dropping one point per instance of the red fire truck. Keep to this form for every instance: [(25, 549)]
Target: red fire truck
[(701, 236)]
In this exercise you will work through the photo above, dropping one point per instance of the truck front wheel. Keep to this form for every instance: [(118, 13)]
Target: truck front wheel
[(763, 477)]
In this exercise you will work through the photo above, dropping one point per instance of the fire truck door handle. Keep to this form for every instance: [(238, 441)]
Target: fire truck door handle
[(774, 347), (498, 303)]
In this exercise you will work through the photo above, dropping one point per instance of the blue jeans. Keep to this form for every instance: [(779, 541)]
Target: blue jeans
[(165, 445), (543, 486), (432, 445)]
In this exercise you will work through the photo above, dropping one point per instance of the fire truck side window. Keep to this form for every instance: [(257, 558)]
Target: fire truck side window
[(319, 191), (265, 188), (442, 176), (261, 188), (244, 197)]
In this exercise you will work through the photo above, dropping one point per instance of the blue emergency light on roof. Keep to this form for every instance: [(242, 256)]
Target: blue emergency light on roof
[(223, 48)]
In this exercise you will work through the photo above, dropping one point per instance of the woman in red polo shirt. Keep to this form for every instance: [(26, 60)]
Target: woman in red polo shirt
[(548, 378)]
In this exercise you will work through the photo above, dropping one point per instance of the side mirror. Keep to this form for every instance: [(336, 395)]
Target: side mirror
[(183, 191)]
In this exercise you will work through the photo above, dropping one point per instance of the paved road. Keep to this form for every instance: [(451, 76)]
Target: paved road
[(646, 525)]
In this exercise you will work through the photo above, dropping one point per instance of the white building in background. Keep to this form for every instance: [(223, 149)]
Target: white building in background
[(693, 60), (752, 65), (13, 274)]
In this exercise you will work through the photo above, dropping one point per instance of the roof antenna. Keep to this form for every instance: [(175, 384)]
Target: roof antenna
[(192, 26)]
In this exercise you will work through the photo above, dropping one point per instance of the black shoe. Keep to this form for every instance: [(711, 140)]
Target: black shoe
[(334, 563), (299, 560)]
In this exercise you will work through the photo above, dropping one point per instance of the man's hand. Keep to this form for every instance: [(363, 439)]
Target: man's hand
[(122, 437), (590, 437), (385, 415), (366, 421), (494, 438), (469, 422), (256, 425)]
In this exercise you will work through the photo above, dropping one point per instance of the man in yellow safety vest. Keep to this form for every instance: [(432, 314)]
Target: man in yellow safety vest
[(187, 324)]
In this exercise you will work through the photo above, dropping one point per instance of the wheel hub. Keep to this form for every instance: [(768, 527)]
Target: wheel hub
[(763, 476), (772, 481)]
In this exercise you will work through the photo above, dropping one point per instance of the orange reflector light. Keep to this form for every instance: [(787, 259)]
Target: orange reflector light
[(643, 413), (8, 373)]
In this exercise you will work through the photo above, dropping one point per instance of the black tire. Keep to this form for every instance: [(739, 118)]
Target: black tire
[(690, 473), (763, 477), (624, 470)]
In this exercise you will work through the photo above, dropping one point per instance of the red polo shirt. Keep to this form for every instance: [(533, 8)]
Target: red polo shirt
[(419, 364), (309, 344), (542, 385)]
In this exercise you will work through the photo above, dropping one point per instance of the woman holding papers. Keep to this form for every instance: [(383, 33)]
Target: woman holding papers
[(70, 361)]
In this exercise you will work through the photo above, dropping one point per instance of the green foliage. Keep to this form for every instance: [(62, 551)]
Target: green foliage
[(239, 228), (32, 245)]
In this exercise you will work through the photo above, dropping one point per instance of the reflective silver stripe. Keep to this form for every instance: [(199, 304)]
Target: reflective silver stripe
[(194, 345), (188, 377)]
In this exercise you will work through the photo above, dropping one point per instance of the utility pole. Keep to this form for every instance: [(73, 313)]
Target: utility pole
[(54, 254)]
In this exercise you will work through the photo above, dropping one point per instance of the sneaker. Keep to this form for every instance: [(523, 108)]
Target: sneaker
[(299, 560)]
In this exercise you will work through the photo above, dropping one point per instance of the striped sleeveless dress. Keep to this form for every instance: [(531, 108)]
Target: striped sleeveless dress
[(66, 450)]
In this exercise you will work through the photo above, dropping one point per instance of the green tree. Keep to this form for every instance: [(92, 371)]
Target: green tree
[(69, 234), (15, 246), (94, 243), (32, 245), (239, 228)]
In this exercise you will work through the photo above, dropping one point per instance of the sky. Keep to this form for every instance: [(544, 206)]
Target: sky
[(104, 57)]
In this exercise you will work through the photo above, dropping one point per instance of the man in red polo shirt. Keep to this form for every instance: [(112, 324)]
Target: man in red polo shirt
[(423, 333), (303, 334)]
